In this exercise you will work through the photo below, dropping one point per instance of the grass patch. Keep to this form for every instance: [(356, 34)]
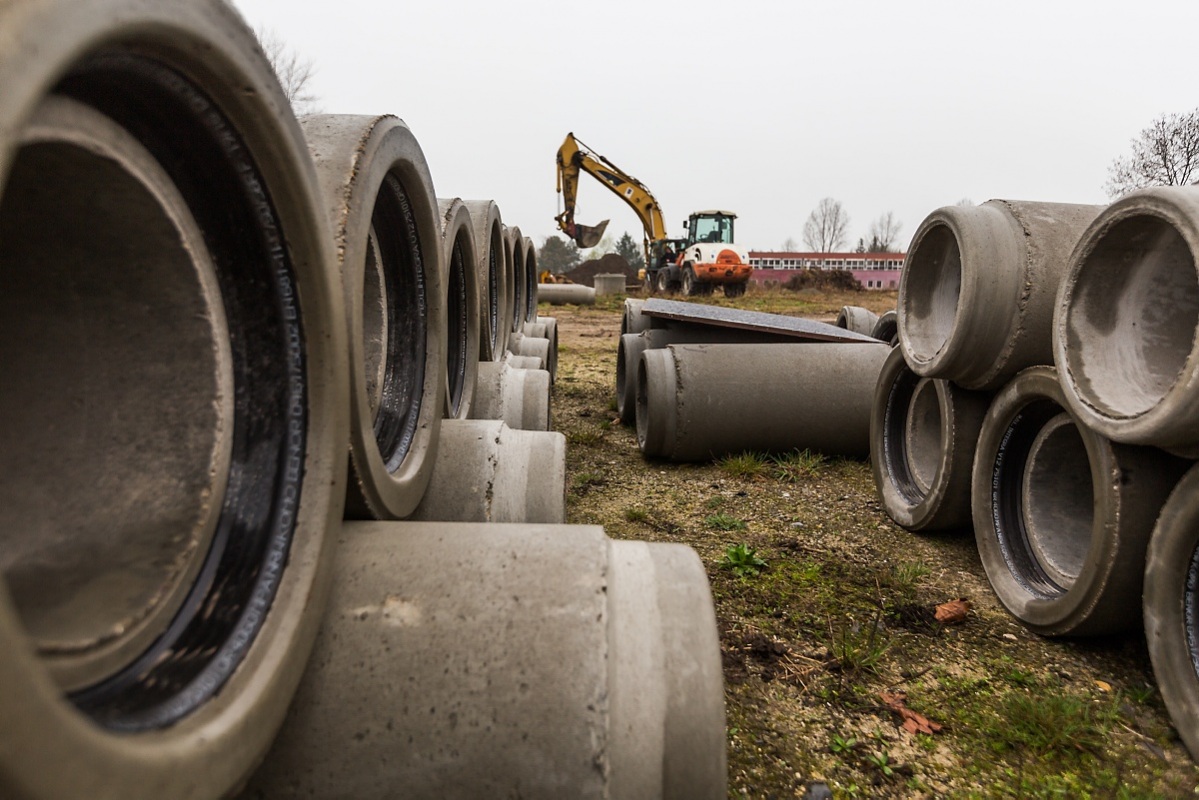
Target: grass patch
[(797, 465), (725, 522), (636, 515), (857, 647), (1049, 723), (745, 465), (588, 437)]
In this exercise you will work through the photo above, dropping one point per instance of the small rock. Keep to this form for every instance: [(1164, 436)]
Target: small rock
[(1011, 637), (818, 791)]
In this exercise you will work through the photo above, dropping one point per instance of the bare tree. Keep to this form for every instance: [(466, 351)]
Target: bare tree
[(824, 232), (1164, 154), (789, 245), (294, 73), (965, 202), (884, 233)]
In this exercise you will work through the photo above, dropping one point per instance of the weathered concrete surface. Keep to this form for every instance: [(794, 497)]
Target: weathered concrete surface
[(546, 328), (923, 433), (117, 289), (671, 313), (379, 198), (857, 319), (461, 288), (531, 284), (699, 401), (534, 347), (488, 472), (519, 397), (1126, 335), (1062, 515), (977, 293), (633, 321), (518, 294), (608, 284), (557, 294), (540, 662), (488, 228), (886, 329)]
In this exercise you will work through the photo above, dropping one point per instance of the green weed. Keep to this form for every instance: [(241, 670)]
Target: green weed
[(743, 560), (636, 515), (744, 465), (797, 465), (724, 522)]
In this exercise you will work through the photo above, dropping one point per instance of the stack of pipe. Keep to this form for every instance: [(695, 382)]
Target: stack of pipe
[(305, 334), (1052, 353)]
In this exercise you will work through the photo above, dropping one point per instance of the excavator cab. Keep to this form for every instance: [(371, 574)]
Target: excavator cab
[(714, 227)]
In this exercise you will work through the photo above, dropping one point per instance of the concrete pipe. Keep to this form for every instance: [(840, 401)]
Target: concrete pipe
[(633, 321), (699, 401), (1126, 336), (546, 328), (559, 294), (609, 285), (886, 329), (460, 293), (1062, 515), (857, 319), (488, 228), (1172, 607), (488, 472), (923, 432), (539, 661), (519, 294), (531, 284), (174, 400), (531, 347), (518, 397), (383, 211), (977, 292), (523, 362)]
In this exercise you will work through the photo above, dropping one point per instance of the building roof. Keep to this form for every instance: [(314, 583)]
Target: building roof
[(813, 256)]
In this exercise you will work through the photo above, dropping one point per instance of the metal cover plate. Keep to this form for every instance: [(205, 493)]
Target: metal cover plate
[(718, 316)]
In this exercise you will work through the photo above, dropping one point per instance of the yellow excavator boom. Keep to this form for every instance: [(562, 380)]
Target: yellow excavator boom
[(575, 157)]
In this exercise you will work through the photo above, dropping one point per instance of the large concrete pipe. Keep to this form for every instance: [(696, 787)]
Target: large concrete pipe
[(632, 321), (630, 347), (1172, 607), (531, 284), (857, 319), (886, 329), (380, 202), (1126, 337), (488, 227), (488, 472), (174, 400), (519, 295), (923, 432), (558, 294), (519, 397), (546, 328), (699, 401), (539, 661), (977, 292), (460, 291), (1062, 515)]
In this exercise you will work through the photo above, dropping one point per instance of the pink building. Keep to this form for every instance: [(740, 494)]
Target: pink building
[(872, 270)]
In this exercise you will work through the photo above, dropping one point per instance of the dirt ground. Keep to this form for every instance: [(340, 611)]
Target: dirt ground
[(833, 644)]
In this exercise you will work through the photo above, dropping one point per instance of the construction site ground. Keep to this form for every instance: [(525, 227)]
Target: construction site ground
[(834, 646)]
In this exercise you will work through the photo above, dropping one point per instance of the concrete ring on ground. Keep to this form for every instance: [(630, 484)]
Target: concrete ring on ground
[(1063, 515), (518, 396), (489, 244), (978, 287), (1126, 335), (633, 321), (857, 319), (1172, 607), (173, 343), (382, 209), (546, 328), (886, 329), (923, 432), (462, 307)]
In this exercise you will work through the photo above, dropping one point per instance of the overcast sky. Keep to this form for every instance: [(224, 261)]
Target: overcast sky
[(759, 107)]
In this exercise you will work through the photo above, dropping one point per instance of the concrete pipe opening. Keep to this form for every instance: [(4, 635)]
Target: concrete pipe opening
[(922, 439), (531, 282), (393, 266), (518, 279), (1128, 323), (462, 308), (932, 289), (173, 345), (1063, 515)]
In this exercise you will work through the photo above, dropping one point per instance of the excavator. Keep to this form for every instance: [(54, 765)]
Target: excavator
[(695, 265)]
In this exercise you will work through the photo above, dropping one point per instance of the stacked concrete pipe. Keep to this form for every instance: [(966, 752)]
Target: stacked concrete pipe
[(560, 294), (632, 321), (977, 293), (460, 292), (531, 284), (886, 329), (546, 328), (535, 347), (923, 433), (1126, 337), (699, 401), (1063, 515), (541, 662), (517, 396), (519, 295), (488, 229), (489, 472), (857, 319), (380, 201), (174, 400)]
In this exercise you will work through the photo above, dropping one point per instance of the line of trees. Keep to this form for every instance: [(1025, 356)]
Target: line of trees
[(827, 231)]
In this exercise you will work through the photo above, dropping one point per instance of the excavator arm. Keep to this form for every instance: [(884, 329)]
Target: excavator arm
[(575, 157)]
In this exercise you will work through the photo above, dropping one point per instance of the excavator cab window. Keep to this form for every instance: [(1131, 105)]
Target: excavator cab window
[(718, 229)]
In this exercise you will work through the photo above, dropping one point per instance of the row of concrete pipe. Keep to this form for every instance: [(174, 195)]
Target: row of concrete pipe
[(1046, 391), (267, 397)]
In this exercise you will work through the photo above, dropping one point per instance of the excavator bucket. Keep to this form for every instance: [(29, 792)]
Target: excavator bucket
[(589, 235)]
